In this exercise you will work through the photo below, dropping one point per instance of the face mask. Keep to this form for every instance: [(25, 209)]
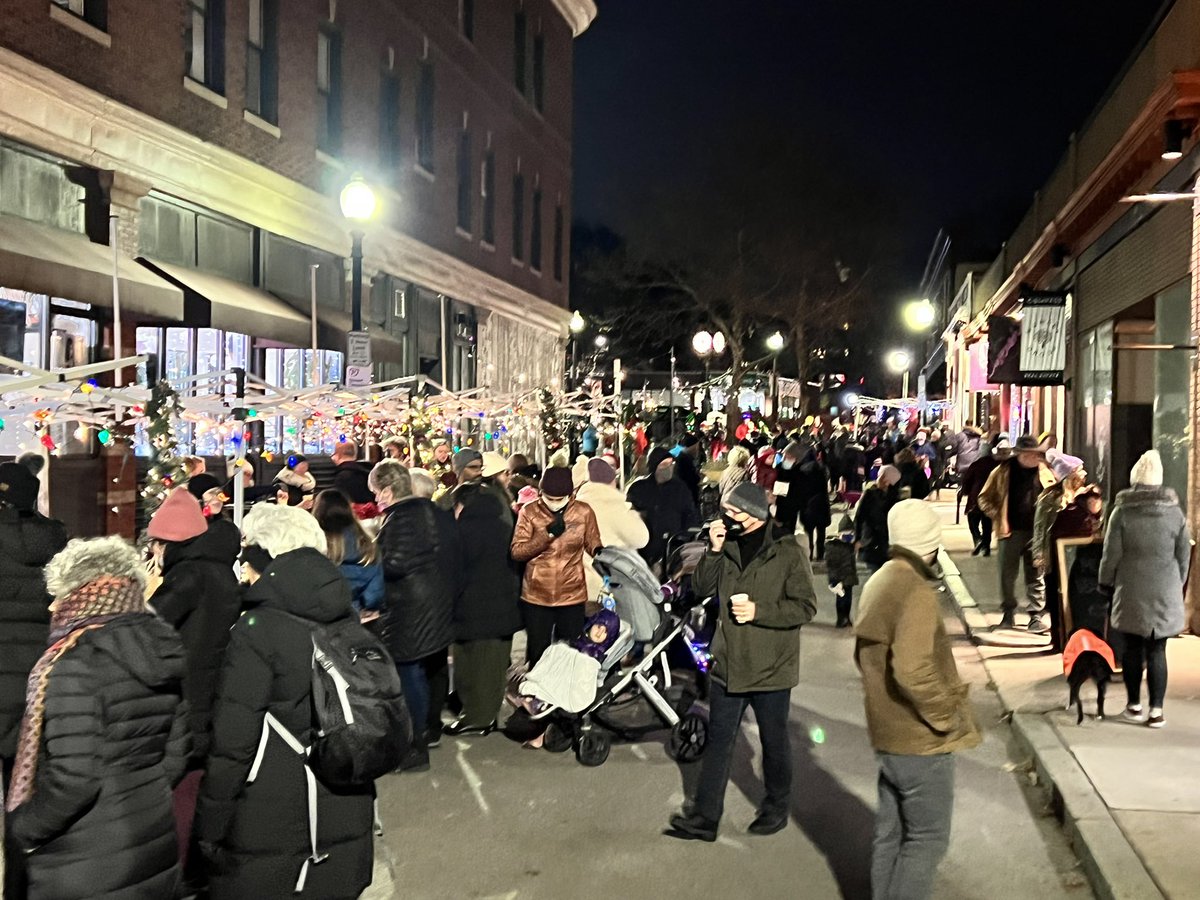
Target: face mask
[(732, 525), (558, 505), (787, 464)]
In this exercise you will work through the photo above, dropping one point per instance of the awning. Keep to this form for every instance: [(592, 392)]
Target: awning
[(240, 308), (936, 360), (334, 325), (44, 260)]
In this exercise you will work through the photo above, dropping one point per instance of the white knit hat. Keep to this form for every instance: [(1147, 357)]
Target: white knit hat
[(1148, 470), (915, 526)]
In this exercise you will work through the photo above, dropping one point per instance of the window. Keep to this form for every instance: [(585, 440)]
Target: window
[(535, 232), (539, 72), (329, 91), (206, 43), (466, 18), (558, 242), (464, 180), (425, 115), (389, 123), (518, 222), (487, 191), (94, 12), (262, 69), (520, 39)]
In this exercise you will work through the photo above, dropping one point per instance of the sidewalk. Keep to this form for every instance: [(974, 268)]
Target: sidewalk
[(1127, 795)]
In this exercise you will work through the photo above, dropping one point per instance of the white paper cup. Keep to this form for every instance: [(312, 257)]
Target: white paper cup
[(740, 598)]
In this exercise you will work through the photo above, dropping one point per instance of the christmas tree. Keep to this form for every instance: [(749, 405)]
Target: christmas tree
[(167, 470), (553, 433)]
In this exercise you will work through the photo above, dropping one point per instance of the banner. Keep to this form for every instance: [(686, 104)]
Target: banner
[(1004, 350), (1043, 342)]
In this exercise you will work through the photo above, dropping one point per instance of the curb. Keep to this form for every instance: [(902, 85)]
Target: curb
[(1112, 866)]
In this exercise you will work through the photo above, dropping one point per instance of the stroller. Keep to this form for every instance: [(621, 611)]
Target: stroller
[(645, 697)]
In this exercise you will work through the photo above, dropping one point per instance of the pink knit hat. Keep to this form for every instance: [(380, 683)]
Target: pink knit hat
[(179, 518)]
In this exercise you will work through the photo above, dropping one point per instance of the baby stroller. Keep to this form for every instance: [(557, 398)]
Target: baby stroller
[(645, 697)]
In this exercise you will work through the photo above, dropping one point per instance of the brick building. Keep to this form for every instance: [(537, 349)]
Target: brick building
[(219, 134)]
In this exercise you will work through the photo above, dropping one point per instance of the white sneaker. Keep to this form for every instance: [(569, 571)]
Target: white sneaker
[(1132, 713)]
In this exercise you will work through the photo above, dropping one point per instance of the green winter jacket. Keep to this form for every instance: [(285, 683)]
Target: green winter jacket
[(762, 655)]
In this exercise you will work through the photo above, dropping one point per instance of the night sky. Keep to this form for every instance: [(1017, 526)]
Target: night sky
[(945, 114)]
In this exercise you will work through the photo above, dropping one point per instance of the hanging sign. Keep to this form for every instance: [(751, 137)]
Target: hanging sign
[(358, 359), (1003, 350), (1043, 340)]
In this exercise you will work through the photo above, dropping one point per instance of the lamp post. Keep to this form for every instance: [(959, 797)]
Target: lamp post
[(358, 206), (900, 361), (706, 345), (577, 325), (775, 343)]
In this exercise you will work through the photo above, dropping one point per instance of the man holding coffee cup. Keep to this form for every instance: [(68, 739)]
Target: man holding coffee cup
[(763, 581)]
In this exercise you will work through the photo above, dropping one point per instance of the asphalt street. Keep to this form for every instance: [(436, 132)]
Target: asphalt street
[(495, 820)]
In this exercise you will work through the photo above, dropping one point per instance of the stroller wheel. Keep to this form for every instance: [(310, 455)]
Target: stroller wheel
[(593, 748), (689, 737), (557, 739)]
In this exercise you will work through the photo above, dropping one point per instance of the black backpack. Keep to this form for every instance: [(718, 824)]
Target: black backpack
[(361, 724)]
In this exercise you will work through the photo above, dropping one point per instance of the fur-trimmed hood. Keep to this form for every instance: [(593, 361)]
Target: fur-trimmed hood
[(1145, 497)]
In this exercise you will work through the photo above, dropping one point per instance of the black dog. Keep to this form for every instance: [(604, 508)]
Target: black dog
[(1087, 657)]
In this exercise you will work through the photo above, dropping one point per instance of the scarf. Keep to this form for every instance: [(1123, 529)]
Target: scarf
[(84, 609)]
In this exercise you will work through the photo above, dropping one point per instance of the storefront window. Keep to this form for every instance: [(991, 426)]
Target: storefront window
[(293, 369), (71, 337), (1172, 379), (22, 321)]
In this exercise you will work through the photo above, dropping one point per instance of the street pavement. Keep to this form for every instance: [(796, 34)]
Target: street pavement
[(494, 820), (1130, 794)]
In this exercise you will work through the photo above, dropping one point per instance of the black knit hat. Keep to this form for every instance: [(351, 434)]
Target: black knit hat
[(18, 486), (557, 482), (199, 485)]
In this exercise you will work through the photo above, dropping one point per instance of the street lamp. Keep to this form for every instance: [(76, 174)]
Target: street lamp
[(577, 325), (775, 343), (707, 345), (358, 206), (900, 361), (601, 341), (919, 315)]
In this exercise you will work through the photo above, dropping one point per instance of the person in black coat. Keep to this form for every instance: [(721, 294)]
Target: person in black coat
[(253, 816), (913, 479), (104, 737), (806, 498), (487, 611), (870, 519), (664, 502), (687, 465), (420, 568)]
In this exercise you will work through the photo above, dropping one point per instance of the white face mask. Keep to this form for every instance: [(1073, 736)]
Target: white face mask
[(557, 505)]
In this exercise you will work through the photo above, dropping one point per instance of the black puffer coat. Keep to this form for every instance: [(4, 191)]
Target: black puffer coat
[(115, 742), (487, 604), (199, 596), (420, 569), (27, 542), (260, 829)]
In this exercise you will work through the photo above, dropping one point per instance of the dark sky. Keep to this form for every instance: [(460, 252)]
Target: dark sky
[(950, 114)]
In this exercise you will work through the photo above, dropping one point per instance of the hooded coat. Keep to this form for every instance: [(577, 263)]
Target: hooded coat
[(260, 829), (620, 525), (916, 703), (668, 509), (199, 598), (419, 554), (807, 497), (870, 524), (27, 542), (1146, 554), (487, 605), (841, 564), (115, 743), (763, 654)]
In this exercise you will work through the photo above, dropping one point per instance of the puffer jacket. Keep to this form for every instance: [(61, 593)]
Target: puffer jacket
[(967, 447), (1147, 549), (554, 571), (27, 542), (620, 525), (993, 499), (764, 654), (258, 831), (199, 598), (115, 742), (420, 559), (841, 564), (916, 703)]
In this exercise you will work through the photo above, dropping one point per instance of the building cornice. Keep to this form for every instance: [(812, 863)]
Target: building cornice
[(578, 13), (53, 113)]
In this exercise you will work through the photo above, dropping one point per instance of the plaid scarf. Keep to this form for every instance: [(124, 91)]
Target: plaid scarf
[(84, 609)]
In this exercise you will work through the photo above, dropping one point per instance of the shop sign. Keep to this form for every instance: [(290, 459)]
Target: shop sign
[(358, 359), (1043, 338), (1004, 350)]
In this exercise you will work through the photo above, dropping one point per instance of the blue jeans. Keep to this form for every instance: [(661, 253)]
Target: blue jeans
[(912, 827), (416, 694)]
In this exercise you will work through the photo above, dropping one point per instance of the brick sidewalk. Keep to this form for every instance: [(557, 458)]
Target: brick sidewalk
[(1128, 795)]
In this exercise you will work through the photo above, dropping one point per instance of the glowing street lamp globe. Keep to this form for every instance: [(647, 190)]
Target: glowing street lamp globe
[(703, 343), (919, 315), (357, 200), (578, 323), (852, 399), (775, 342), (899, 360), (718, 345)]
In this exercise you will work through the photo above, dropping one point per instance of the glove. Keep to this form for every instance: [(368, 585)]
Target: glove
[(558, 526)]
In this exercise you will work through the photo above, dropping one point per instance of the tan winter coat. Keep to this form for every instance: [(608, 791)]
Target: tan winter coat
[(620, 526), (916, 703), (993, 499)]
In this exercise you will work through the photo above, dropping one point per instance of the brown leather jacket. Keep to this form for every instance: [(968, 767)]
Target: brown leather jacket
[(993, 499), (554, 575)]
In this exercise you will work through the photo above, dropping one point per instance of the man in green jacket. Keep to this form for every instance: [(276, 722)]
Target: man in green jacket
[(917, 708), (763, 583)]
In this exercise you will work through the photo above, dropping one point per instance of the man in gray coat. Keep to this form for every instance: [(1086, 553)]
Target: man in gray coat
[(1145, 563)]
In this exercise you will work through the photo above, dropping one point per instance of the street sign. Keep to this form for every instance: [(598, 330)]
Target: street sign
[(358, 359)]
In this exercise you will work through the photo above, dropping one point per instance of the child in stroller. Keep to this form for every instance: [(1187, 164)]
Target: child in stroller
[(568, 673)]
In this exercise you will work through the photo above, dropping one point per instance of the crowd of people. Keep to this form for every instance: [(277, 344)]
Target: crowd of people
[(168, 690)]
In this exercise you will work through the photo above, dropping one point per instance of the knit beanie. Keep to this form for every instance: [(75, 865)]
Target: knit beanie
[(795, 450), (750, 499), (1148, 470), (556, 482), (915, 526), (1063, 465), (600, 472), (656, 457), (18, 487), (199, 485), (178, 519), (464, 458)]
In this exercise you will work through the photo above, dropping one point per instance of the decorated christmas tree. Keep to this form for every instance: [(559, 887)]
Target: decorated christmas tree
[(553, 430), (167, 470)]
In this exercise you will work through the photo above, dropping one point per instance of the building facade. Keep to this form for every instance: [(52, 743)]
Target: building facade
[(209, 140)]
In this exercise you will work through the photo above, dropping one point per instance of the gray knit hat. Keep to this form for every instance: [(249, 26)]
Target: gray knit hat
[(750, 499), (464, 458)]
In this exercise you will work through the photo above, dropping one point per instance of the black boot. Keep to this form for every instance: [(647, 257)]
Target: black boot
[(417, 758), (692, 828)]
